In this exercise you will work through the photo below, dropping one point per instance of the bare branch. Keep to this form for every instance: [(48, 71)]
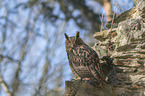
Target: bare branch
[(5, 86), (8, 57)]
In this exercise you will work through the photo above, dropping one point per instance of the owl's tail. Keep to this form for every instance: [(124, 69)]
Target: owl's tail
[(97, 72)]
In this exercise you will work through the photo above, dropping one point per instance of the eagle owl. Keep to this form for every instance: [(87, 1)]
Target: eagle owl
[(83, 60)]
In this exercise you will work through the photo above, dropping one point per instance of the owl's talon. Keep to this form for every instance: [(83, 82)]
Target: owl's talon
[(77, 79), (86, 79)]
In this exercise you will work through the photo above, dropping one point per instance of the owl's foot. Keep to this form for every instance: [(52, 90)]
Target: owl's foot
[(77, 79), (86, 79)]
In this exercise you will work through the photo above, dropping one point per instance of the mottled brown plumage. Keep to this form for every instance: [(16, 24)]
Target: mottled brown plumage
[(83, 60)]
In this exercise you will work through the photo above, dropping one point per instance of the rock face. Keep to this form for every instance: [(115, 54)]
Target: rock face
[(81, 88), (125, 42)]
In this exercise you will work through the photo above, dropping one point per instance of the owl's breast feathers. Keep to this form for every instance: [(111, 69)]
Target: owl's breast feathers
[(84, 62)]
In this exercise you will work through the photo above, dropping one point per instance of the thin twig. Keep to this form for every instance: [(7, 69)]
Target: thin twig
[(113, 16)]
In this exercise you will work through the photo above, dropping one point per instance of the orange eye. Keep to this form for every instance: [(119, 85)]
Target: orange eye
[(76, 41)]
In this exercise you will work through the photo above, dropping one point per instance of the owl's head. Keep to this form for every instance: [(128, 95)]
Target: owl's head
[(72, 42)]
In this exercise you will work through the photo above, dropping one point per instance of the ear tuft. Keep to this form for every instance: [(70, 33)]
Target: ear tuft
[(66, 36), (77, 35)]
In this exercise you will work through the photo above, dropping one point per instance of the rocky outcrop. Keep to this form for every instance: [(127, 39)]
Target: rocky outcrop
[(126, 44)]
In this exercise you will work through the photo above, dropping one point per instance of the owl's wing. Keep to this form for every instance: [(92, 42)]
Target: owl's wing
[(86, 59)]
